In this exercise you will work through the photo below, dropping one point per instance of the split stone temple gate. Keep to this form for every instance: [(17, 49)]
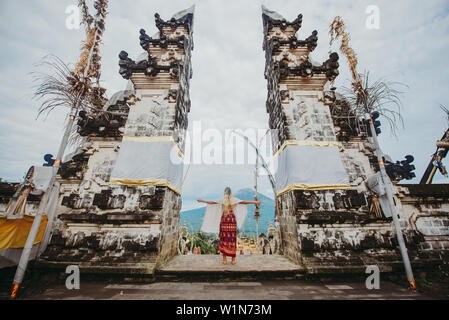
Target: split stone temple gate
[(120, 194)]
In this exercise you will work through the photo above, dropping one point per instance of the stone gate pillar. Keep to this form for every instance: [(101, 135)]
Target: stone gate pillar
[(328, 219), (153, 142), (121, 190)]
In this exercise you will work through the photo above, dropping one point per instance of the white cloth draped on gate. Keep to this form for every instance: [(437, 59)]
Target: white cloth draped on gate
[(41, 179), (149, 161), (310, 165)]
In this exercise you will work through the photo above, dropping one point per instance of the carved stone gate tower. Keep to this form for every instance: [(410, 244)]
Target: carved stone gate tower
[(330, 221), (120, 196)]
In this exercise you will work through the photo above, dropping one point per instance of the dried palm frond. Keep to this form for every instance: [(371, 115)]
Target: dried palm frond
[(382, 96), (71, 87), (87, 18), (75, 139), (337, 30), (90, 58), (365, 97), (60, 87)]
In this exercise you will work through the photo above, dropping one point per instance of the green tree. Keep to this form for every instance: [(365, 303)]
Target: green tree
[(201, 240)]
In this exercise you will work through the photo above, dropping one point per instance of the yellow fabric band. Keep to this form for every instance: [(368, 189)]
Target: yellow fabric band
[(146, 182), (14, 232), (313, 187), (313, 143)]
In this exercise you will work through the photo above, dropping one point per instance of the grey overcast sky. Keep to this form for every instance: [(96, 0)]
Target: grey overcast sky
[(228, 89)]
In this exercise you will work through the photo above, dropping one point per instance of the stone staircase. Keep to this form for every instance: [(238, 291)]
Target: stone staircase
[(210, 267)]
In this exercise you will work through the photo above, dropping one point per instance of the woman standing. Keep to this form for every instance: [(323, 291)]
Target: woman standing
[(223, 217)]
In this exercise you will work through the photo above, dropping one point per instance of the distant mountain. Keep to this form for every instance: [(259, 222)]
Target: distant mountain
[(194, 217)]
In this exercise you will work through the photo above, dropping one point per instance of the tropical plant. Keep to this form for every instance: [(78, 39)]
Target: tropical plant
[(203, 241)]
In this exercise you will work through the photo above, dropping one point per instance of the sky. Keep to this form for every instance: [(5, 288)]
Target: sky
[(228, 89)]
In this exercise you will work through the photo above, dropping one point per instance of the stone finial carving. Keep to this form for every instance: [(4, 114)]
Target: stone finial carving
[(178, 39), (183, 18), (288, 63), (175, 40), (144, 39), (111, 121), (128, 66), (280, 37), (330, 66), (293, 42), (273, 19)]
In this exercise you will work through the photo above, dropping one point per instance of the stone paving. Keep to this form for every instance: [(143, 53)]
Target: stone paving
[(247, 263), (231, 290), (238, 287)]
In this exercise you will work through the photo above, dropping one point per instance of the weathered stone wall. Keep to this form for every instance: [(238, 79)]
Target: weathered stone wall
[(425, 212), (288, 227), (347, 240), (168, 244), (108, 231)]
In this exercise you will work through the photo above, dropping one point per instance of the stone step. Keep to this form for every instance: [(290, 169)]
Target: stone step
[(210, 267), (117, 268), (120, 272)]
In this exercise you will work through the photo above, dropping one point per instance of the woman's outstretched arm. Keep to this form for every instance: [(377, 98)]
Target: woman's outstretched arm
[(249, 202), (206, 201)]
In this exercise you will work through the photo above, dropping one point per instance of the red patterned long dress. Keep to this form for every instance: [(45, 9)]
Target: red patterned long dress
[(228, 234)]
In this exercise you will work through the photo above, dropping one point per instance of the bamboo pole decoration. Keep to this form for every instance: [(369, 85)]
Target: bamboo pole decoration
[(337, 30), (263, 162), (256, 198), (270, 176), (89, 66)]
